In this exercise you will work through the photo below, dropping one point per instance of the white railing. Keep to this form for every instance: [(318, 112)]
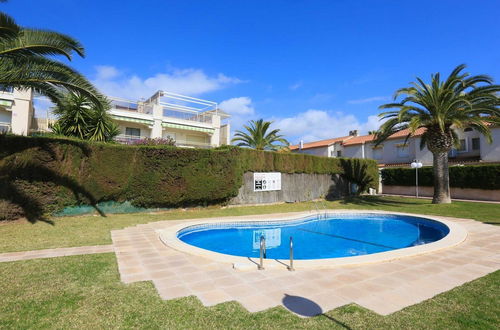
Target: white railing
[(128, 105), (187, 115), (129, 139)]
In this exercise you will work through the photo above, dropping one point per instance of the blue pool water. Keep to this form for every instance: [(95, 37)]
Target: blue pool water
[(340, 235)]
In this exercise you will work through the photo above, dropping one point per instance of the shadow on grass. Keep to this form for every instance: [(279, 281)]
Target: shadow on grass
[(376, 201), (18, 170), (308, 308)]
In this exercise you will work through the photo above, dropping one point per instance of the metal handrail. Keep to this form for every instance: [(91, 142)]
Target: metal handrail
[(318, 210), (262, 252), (290, 268)]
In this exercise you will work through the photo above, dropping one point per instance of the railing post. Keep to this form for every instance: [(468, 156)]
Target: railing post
[(290, 268), (262, 252)]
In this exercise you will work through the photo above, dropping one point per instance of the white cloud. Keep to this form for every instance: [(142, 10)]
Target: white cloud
[(313, 125), (113, 82), (369, 100), (238, 106), (241, 110), (105, 72)]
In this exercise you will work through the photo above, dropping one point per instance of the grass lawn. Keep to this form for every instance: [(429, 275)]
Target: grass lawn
[(95, 230), (85, 292)]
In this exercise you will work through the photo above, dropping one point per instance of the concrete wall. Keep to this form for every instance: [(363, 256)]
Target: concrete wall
[(294, 188), (458, 193)]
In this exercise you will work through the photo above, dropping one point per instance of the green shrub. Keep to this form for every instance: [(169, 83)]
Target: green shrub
[(43, 174), (470, 176)]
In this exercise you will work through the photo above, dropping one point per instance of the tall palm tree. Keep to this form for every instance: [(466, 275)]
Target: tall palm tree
[(25, 62), (460, 101), (258, 137)]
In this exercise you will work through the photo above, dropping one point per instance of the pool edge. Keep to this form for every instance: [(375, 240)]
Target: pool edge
[(457, 235)]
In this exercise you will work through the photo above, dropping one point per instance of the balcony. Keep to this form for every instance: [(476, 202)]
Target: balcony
[(129, 139), (173, 106)]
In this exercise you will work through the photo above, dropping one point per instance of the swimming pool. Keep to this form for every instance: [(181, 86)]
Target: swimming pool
[(331, 236)]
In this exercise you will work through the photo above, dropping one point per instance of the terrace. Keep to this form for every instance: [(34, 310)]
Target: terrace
[(190, 121)]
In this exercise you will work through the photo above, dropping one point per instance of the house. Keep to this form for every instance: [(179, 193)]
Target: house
[(326, 148), (190, 121), (16, 110), (398, 150)]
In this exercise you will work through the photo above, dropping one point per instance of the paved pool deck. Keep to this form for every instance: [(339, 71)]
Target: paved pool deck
[(383, 287)]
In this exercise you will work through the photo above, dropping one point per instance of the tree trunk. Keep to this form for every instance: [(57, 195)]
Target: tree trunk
[(441, 178)]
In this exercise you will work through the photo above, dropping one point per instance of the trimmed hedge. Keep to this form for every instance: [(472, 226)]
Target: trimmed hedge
[(470, 176), (41, 174)]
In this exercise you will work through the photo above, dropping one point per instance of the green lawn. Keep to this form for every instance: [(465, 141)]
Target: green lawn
[(85, 292), (95, 230)]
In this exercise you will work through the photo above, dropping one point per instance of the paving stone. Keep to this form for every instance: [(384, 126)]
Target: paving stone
[(384, 287)]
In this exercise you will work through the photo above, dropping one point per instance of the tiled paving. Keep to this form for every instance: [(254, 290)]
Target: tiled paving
[(382, 287), (59, 252)]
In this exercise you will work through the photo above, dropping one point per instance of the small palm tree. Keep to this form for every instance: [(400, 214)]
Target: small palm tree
[(460, 101), (79, 117), (26, 62), (258, 137)]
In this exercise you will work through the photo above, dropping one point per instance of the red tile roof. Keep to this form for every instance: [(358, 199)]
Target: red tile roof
[(322, 143), (369, 138)]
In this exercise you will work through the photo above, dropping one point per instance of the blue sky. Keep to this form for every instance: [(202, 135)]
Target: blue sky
[(317, 68)]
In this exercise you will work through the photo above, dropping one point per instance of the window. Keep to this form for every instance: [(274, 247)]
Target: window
[(339, 153), (468, 129), (377, 153), (132, 131), (332, 153), (476, 144), (463, 146), (403, 150), (196, 139), (6, 89)]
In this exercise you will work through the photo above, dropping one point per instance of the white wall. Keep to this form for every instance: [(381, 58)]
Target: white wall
[(320, 151), (491, 152), (22, 111), (353, 151)]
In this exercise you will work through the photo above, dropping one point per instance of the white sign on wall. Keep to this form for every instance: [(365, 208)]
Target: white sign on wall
[(266, 181)]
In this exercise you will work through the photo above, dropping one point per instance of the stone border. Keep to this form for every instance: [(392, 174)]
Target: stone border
[(168, 236)]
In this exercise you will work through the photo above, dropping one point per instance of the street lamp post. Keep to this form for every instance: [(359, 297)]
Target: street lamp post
[(416, 165)]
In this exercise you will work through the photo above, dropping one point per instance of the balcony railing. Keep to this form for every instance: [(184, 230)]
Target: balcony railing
[(129, 139), (187, 115)]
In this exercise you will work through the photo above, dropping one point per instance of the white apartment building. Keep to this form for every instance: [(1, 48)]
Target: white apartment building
[(190, 121), (396, 151), (16, 110)]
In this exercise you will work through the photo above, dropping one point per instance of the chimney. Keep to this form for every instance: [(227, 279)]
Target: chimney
[(353, 133), (301, 144)]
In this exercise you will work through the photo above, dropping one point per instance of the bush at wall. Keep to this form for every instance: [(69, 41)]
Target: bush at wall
[(470, 176), (39, 175)]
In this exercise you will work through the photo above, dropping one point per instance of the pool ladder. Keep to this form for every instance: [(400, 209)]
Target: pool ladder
[(263, 254), (320, 215)]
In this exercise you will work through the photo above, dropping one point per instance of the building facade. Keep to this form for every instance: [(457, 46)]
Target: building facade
[(397, 150), (16, 110), (191, 122)]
